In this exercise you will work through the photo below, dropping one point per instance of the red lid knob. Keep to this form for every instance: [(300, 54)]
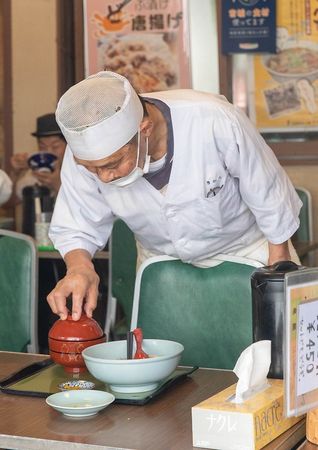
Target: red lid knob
[(76, 330)]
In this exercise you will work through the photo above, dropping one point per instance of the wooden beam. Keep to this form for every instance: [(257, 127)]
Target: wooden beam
[(7, 79), (225, 61), (65, 45), (79, 40)]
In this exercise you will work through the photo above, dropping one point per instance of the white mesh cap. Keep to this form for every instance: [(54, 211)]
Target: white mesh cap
[(99, 115)]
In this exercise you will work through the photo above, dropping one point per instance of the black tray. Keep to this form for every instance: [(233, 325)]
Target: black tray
[(41, 379)]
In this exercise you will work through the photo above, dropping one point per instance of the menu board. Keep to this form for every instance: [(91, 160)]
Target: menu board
[(146, 41), (301, 341), (284, 86)]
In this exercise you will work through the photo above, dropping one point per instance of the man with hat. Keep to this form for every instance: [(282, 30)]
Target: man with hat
[(186, 170), (51, 140)]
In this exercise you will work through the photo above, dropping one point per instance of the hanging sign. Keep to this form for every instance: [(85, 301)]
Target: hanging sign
[(248, 26), (146, 41)]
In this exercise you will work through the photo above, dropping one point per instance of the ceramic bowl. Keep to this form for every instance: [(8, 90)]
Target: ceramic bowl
[(68, 338), (80, 403), (107, 362), (42, 161)]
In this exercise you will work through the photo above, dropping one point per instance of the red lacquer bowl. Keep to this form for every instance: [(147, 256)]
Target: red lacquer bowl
[(68, 338)]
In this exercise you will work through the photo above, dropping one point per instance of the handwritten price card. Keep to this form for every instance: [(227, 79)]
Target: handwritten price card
[(307, 347), (301, 341)]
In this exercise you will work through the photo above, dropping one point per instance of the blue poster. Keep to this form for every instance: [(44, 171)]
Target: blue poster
[(248, 26)]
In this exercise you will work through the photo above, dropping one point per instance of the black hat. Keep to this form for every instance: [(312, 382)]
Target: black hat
[(46, 126)]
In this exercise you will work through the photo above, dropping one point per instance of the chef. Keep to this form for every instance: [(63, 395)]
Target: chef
[(186, 171)]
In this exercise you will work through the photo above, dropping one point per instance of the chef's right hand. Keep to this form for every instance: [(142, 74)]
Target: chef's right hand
[(81, 282)]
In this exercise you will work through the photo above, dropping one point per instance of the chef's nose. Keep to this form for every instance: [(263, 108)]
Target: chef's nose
[(105, 174)]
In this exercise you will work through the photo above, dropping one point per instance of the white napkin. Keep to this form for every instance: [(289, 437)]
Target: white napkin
[(251, 369)]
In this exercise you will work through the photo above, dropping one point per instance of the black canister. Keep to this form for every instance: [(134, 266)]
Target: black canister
[(30, 193), (268, 307)]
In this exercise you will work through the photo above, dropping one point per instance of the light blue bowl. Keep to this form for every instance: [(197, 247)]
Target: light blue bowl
[(108, 363), (80, 403)]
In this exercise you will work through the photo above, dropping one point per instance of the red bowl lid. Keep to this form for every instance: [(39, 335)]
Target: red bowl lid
[(76, 330)]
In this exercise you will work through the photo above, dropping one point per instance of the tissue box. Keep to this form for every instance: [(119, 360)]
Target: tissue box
[(221, 425)]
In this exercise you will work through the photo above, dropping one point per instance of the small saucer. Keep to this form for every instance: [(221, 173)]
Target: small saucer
[(80, 403), (76, 385)]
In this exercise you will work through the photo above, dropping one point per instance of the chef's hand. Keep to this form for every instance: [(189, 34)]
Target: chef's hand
[(278, 252), (81, 282)]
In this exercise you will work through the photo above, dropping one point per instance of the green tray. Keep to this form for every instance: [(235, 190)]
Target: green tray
[(42, 379)]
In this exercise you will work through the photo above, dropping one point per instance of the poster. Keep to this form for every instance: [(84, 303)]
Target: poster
[(284, 95), (248, 26), (146, 41)]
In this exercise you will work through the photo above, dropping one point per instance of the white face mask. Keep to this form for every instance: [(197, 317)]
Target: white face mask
[(137, 172)]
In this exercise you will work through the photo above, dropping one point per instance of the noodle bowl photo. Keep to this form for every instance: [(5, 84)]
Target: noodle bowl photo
[(293, 63)]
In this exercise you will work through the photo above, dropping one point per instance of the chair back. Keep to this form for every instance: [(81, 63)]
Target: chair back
[(305, 230), (18, 292), (208, 310), (122, 274), (303, 239)]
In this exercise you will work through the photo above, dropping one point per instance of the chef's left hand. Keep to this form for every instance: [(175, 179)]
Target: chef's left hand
[(278, 252)]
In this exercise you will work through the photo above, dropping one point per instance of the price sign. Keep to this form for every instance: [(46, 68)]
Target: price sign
[(307, 347), (301, 341)]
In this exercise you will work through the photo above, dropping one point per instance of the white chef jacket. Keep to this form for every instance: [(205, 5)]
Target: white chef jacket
[(216, 151), (5, 187)]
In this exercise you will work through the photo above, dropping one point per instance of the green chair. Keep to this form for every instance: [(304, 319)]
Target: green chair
[(121, 279), (304, 236), (18, 292), (208, 310), (305, 230)]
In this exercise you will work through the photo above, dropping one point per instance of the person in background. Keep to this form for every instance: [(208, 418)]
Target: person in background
[(5, 187), (186, 170), (51, 140)]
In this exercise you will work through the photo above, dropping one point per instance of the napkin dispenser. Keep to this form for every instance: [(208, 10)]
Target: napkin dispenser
[(247, 415)]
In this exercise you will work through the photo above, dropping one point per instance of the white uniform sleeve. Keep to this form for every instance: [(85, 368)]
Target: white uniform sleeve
[(263, 183), (5, 187), (81, 218)]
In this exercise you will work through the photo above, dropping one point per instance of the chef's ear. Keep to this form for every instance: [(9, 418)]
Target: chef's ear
[(146, 126)]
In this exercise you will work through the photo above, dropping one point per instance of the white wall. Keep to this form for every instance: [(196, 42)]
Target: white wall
[(34, 67), (204, 45)]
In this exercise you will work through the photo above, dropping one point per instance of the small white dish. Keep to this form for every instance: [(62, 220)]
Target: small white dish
[(80, 403)]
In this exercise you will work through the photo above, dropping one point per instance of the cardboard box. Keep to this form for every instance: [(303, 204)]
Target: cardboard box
[(220, 424)]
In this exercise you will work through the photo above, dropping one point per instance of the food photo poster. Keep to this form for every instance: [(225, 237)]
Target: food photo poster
[(284, 85), (146, 41)]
